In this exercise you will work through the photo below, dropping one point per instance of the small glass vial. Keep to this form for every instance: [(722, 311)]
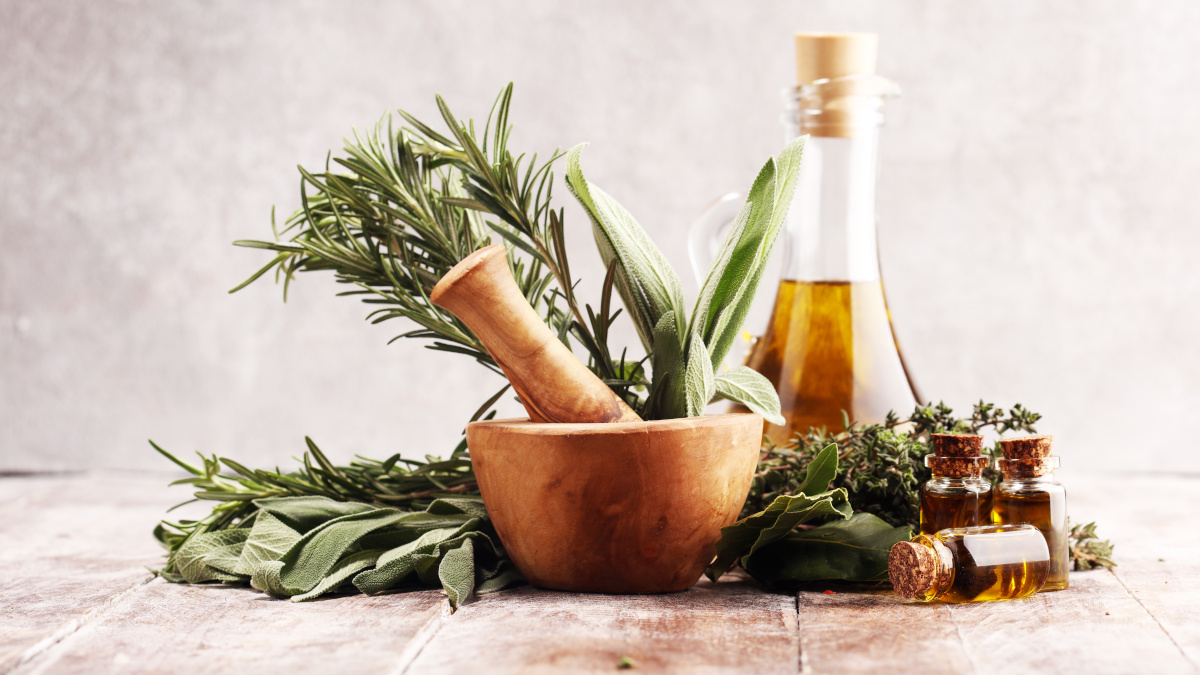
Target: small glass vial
[(957, 495), (1029, 494), (971, 564)]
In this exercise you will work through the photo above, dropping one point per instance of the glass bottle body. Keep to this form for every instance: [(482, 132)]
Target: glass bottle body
[(1041, 502), (948, 502), (987, 563), (829, 347)]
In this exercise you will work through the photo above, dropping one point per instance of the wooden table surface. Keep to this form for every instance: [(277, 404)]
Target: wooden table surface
[(75, 597)]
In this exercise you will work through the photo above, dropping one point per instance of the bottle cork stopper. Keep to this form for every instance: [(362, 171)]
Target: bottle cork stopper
[(1026, 447), (957, 455), (821, 56), (957, 445), (912, 568), (1035, 467)]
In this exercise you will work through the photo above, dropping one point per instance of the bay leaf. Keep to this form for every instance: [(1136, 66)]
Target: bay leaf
[(851, 550)]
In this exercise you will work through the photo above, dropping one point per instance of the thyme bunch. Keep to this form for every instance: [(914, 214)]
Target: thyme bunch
[(882, 465)]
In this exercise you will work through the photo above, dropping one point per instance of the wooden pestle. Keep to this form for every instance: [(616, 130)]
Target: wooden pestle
[(553, 385)]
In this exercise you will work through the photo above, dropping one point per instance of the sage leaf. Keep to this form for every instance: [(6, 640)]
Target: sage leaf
[(393, 566), (189, 559), (456, 572), (305, 513), (341, 573), (507, 576), (312, 557), (269, 539), (750, 388), (738, 278), (700, 382), (646, 281), (850, 550), (225, 558), (266, 579), (669, 400)]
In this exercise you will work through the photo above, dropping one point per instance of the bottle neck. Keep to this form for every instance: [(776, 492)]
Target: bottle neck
[(831, 230)]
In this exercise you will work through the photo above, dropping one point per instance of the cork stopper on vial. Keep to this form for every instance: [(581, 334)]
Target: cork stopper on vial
[(912, 568), (957, 455), (1027, 457)]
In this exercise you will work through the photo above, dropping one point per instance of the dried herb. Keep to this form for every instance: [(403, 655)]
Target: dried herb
[(1088, 551)]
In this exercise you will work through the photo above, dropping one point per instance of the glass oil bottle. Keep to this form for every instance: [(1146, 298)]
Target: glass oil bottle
[(971, 564), (829, 346), (1029, 494), (957, 495)]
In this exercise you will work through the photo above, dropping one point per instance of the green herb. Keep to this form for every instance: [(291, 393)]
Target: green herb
[(407, 203), (688, 354), (883, 465), (845, 550), (626, 662), (1088, 551), (304, 547)]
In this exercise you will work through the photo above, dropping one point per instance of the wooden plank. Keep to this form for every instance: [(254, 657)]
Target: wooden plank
[(194, 628), (69, 546), (1093, 626), (730, 627), (877, 632)]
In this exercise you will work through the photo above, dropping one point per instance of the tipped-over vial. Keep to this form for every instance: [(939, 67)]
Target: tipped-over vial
[(1029, 494), (957, 495), (971, 564)]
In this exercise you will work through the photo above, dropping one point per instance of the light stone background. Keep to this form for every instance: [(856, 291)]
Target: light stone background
[(1038, 207)]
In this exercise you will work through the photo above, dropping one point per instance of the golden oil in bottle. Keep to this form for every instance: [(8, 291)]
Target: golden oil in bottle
[(830, 348), (1029, 494), (971, 564), (957, 495)]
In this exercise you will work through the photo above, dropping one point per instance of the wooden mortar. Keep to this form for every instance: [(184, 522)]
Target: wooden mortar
[(614, 508), (587, 496)]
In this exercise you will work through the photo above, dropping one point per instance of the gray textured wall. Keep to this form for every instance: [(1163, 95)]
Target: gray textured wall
[(1038, 210)]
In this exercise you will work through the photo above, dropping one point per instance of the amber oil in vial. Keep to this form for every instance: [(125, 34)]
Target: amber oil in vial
[(1029, 494), (957, 495), (971, 564)]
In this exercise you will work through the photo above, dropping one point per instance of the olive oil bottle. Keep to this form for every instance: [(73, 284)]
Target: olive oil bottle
[(1029, 494), (957, 495), (971, 564), (829, 347)]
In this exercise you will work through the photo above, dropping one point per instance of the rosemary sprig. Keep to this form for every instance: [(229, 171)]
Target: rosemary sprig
[(403, 483), (406, 203)]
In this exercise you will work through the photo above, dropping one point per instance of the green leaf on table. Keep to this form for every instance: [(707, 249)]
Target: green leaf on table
[(189, 559), (315, 554), (396, 564), (305, 513), (341, 573), (783, 515), (812, 500), (850, 550), (269, 539), (750, 388), (456, 572)]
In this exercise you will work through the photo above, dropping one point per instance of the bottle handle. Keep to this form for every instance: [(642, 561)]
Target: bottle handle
[(704, 238)]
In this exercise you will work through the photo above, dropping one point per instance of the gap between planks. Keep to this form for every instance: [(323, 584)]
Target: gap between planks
[(74, 625), (423, 637), (1183, 652)]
